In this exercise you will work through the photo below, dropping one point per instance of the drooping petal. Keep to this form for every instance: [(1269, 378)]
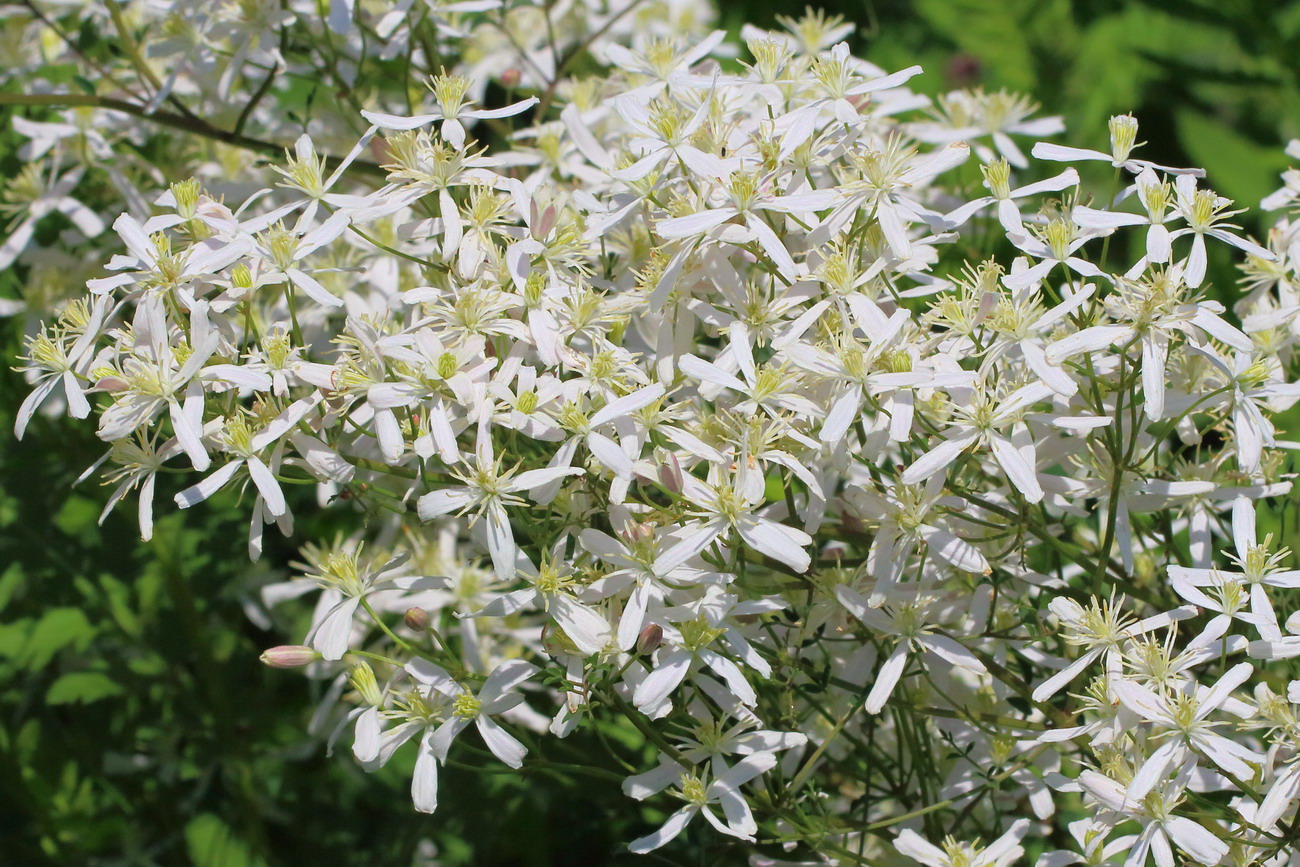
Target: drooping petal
[(887, 678), (424, 782), (502, 744)]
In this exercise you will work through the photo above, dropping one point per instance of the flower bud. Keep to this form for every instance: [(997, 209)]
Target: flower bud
[(111, 384), (416, 619), (670, 474), (638, 532), (511, 77), (649, 639), (289, 656)]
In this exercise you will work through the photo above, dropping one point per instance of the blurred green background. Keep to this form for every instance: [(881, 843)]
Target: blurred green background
[(137, 726)]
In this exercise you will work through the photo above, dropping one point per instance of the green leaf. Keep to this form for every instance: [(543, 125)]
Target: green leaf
[(13, 638), (211, 843), (58, 628), (118, 597), (82, 687), (1236, 166), (79, 517), (10, 583), (993, 32)]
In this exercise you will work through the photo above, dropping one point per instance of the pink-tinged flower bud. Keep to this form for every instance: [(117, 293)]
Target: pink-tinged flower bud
[(638, 532), (511, 77), (649, 639), (670, 474), (111, 384), (416, 619), (289, 656)]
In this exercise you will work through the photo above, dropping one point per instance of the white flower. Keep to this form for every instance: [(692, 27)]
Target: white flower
[(450, 92), (34, 197), (1259, 567), (1183, 716), (553, 590), (1002, 852), (1206, 214), (733, 504), (1123, 139), (1160, 827), (981, 421), (58, 356), (488, 488), (908, 621), (495, 697), (700, 796)]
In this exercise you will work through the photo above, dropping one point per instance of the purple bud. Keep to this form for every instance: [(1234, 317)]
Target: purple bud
[(649, 639), (670, 474)]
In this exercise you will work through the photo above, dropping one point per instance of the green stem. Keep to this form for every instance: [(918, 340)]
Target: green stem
[(193, 125)]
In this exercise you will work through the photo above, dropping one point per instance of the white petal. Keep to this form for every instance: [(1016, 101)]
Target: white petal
[(610, 455), (887, 678), (937, 459), (501, 743), (208, 486), (665, 678), (782, 543), (583, 625), (707, 371), (501, 541), (627, 404), (675, 824), (440, 502), (332, 634), (424, 782), (1020, 471), (694, 224), (267, 486)]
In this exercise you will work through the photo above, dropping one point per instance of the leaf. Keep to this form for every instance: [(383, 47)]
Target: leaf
[(211, 843), (118, 597), (13, 637), (993, 32), (79, 517), (10, 583), (58, 628), (1107, 77), (1237, 167), (82, 687)]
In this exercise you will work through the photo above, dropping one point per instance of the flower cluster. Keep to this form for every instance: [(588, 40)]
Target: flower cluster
[(895, 488)]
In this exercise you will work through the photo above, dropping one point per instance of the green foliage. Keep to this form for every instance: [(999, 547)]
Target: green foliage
[(136, 725)]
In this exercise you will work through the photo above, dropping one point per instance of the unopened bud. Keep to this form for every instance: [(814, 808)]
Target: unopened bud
[(416, 619), (511, 77), (638, 532), (670, 474), (289, 656), (111, 384), (649, 639)]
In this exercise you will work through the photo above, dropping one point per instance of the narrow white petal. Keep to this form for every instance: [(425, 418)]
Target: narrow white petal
[(502, 744), (887, 678)]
